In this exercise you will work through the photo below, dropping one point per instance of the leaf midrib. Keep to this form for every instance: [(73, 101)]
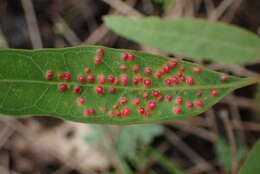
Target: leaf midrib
[(230, 85)]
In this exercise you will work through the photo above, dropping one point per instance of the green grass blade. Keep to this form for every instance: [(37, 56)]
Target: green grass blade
[(251, 166)]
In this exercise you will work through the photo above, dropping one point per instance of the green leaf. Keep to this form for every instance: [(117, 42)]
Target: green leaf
[(197, 39), (132, 137), (251, 166), (223, 152), (25, 91)]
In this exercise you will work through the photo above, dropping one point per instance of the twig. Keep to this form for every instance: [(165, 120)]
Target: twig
[(185, 149), (97, 35), (123, 8), (5, 134), (195, 121), (241, 102), (177, 11), (31, 19), (147, 6), (102, 30), (236, 69), (236, 117), (210, 116), (152, 50), (198, 121), (231, 138), (200, 132), (230, 13), (69, 34), (88, 11), (197, 169), (209, 6), (218, 12), (189, 9), (197, 7), (248, 126)]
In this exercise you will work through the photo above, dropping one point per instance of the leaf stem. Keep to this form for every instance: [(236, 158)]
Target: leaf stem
[(251, 80)]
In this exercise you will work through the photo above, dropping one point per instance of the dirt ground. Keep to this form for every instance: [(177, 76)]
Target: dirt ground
[(44, 145)]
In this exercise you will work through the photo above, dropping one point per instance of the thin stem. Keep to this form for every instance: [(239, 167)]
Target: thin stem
[(232, 140), (31, 19)]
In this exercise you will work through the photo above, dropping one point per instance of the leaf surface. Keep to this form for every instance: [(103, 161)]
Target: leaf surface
[(252, 163), (194, 38), (25, 90)]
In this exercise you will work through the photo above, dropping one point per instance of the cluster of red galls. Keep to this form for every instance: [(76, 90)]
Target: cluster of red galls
[(124, 80), (152, 104)]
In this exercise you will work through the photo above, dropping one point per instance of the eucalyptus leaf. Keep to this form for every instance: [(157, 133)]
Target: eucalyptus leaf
[(195, 38), (58, 82)]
